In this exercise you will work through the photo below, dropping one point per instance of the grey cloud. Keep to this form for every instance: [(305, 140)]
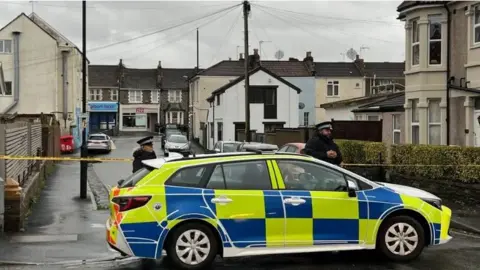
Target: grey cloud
[(330, 29)]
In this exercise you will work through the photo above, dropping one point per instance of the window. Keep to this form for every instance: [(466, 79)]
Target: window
[(8, 89), (358, 117), (133, 120), (271, 127), (219, 131), (434, 122), (305, 119), (251, 175), (396, 128), (270, 105), (300, 175), (5, 46), (435, 40), (218, 100), (292, 149), (372, 118), (212, 132), (114, 94), (229, 147), (174, 117), (134, 178), (415, 43), (476, 24), (415, 122), (175, 96), (332, 89), (154, 96), (283, 148), (188, 177), (95, 94), (135, 96)]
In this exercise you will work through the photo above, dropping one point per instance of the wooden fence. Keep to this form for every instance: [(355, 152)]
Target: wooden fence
[(26, 138)]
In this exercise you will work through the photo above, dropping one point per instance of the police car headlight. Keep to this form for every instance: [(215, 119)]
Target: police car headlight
[(434, 202)]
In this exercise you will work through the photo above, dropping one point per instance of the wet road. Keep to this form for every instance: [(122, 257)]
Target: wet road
[(111, 172)]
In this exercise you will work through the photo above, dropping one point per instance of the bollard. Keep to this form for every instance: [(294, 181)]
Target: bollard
[(13, 209), (2, 205)]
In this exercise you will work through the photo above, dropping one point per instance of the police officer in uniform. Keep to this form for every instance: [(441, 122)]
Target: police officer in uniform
[(144, 152), (322, 146)]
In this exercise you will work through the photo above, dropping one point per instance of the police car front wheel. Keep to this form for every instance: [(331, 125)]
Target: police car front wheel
[(401, 238), (192, 246)]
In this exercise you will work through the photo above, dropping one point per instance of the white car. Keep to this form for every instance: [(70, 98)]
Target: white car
[(99, 142)]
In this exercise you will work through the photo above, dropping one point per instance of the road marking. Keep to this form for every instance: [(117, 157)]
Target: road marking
[(43, 238), (465, 234), (97, 225)]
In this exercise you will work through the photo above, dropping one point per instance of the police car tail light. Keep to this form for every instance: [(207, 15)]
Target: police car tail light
[(129, 203)]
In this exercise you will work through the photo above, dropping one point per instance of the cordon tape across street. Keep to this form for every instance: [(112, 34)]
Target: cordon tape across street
[(92, 159)]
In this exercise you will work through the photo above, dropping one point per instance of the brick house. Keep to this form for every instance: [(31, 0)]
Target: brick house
[(174, 96)]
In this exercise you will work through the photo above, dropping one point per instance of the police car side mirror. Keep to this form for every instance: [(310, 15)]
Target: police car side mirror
[(352, 189), (120, 182), (216, 150)]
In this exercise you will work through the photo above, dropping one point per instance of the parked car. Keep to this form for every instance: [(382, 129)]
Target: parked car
[(251, 199), (177, 143), (255, 146), (226, 146), (293, 148), (168, 132), (99, 142)]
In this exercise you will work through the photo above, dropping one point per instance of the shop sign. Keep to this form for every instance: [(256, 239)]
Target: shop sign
[(95, 106), (140, 110)]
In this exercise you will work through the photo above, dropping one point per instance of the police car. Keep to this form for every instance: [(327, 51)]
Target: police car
[(245, 204)]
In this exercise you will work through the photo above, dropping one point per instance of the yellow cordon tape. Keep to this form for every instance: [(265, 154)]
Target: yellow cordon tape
[(5, 157), (2, 157)]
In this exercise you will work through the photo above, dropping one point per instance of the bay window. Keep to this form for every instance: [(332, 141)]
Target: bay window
[(415, 43), (476, 25), (415, 122), (434, 122), (435, 40)]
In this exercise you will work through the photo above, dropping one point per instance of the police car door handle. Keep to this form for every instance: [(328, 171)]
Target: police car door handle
[(294, 201), (221, 200)]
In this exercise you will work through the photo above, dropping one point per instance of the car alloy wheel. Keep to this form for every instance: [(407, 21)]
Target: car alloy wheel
[(192, 247), (401, 239)]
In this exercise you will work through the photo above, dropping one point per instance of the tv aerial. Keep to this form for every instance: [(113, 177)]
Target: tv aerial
[(279, 54), (352, 54)]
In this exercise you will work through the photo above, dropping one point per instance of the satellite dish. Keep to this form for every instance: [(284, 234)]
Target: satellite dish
[(279, 54), (301, 105), (352, 54)]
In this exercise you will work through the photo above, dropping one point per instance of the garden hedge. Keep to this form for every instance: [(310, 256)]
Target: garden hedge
[(362, 152)]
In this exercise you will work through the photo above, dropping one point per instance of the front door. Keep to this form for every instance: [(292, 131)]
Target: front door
[(248, 208), (476, 130), (318, 208)]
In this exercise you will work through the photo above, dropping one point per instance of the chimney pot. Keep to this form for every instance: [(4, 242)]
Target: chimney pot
[(309, 54), (357, 57), (240, 56), (159, 64), (255, 51)]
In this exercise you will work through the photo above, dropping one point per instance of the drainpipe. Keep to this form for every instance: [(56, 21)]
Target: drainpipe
[(448, 72), (16, 67), (65, 86)]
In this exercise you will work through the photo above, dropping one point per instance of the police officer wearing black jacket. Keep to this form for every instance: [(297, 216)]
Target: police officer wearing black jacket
[(144, 152), (322, 146)]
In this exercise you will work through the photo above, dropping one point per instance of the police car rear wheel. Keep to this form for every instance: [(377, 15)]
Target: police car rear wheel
[(401, 238), (192, 246)]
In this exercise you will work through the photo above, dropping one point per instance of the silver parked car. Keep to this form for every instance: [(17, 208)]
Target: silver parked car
[(226, 146), (177, 143), (99, 142)]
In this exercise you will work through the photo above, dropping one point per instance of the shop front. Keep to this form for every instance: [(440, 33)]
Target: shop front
[(141, 117), (103, 115)]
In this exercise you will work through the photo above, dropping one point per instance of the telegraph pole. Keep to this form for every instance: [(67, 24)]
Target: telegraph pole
[(246, 11), (84, 164)]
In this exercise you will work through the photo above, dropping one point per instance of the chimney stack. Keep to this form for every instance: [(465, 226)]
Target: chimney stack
[(360, 64), (121, 62), (159, 75), (357, 57), (240, 57), (255, 51), (159, 64), (308, 60)]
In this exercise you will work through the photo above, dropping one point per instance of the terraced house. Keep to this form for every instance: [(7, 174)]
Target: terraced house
[(442, 48)]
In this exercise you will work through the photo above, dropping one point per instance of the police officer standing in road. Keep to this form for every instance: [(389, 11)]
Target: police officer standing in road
[(144, 152), (322, 146)]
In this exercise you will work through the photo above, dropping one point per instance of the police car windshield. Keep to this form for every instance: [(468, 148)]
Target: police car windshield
[(177, 139)]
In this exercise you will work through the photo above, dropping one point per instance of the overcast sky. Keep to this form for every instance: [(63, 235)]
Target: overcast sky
[(328, 29)]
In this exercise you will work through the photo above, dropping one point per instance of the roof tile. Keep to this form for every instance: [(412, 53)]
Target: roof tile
[(102, 75)]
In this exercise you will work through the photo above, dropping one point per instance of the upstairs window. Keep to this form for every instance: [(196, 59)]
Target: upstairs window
[(135, 96), (95, 94), (175, 96), (5, 46), (154, 96), (476, 24), (8, 89), (435, 40), (415, 43), (114, 94), (218, 100), (332, 88)]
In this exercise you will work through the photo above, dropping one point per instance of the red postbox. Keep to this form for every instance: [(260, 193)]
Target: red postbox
[(66, 144)]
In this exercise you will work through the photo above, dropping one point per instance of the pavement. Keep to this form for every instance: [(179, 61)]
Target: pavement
[(67, 232)]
